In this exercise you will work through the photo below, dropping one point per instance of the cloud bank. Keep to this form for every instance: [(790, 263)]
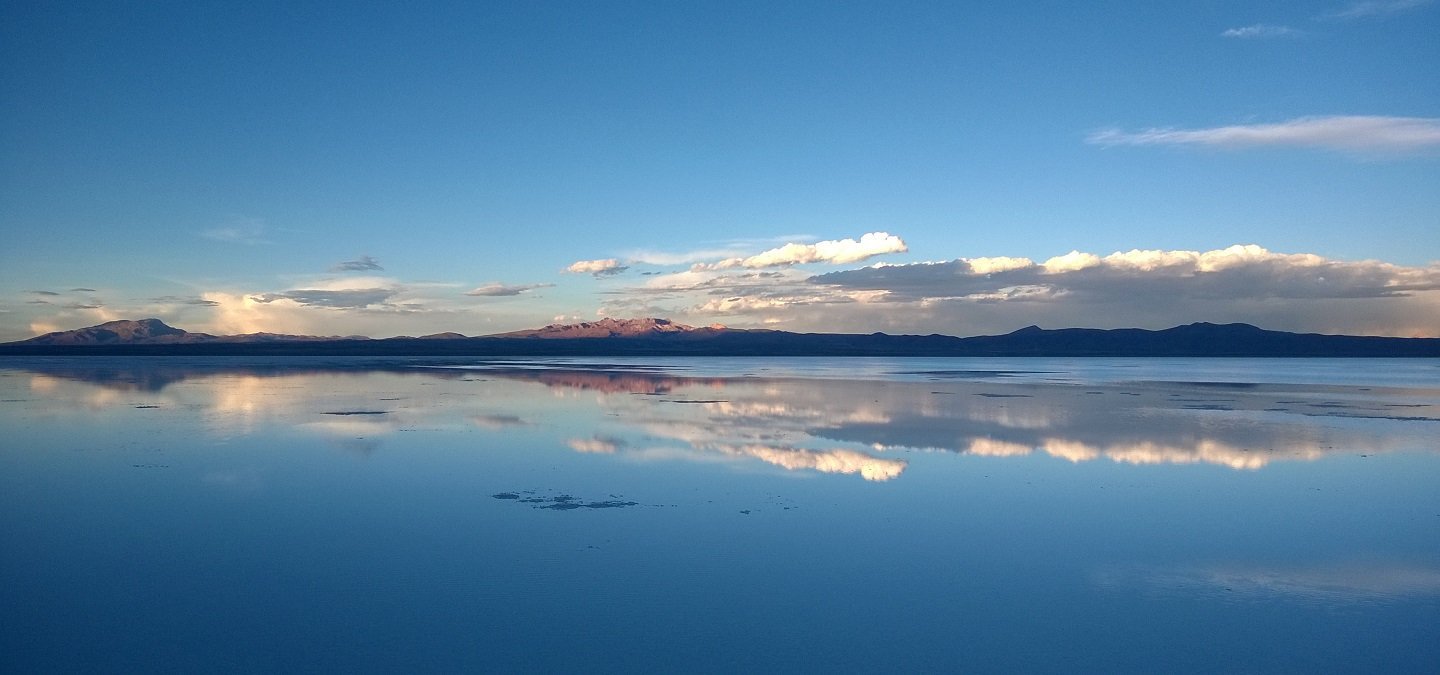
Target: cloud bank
[(1361, 134), (1138, 288)]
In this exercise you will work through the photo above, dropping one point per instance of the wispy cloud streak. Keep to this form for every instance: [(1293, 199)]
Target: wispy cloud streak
[(497, 289), (1361, 134), (1261, 31), (364, 263), (1373, 8)]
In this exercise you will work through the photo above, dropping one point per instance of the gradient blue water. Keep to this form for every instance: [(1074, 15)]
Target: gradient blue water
[(205, 515)]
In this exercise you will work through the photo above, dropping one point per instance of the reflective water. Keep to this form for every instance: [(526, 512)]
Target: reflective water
[(1112, 515)]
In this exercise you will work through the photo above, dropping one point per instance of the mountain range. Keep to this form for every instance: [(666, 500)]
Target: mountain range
[(662, 337)]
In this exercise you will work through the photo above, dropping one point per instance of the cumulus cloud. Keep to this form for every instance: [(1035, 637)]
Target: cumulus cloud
[(597, 268), (497, 289), (1361, 134), (839, 251), (1367, 9), (824, 461), (1240, 271), (364, 263), (1260, 31), (1137, 288)]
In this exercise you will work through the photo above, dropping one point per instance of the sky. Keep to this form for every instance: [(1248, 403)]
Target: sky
[(385, 169)]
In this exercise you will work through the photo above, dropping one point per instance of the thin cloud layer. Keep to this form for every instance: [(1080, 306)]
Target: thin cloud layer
[(1260, 31), (838, 252), (239, 231), (497, 290), (1373, 8), (364, 263), (1362, 134), (354, 298), (184, 300)]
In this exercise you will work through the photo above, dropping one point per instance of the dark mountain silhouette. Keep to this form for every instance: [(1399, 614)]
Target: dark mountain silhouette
[(661, 337)]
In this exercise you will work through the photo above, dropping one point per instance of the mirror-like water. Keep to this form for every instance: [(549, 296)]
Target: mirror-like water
[(720, 514)]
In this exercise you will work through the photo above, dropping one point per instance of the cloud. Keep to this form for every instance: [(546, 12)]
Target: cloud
[(497, 289), (364, 263), (1373, 8), (45, 293), (337, 299), (1364, 134), (184, 300), (1237, 272), (597, 445), (725, 249), (83, 290), (597, 268), (839, 461), (242, 231), (1137, 288), (1330, 583), (833, 251), (1261, 31)]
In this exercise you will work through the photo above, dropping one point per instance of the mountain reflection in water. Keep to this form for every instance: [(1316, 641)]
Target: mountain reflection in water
[(858, 427)]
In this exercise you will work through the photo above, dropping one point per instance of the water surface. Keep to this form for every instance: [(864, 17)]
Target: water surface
[(1117, 515)]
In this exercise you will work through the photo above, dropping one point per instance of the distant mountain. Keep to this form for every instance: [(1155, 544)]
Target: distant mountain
[(146, 331), (661, 337), (157, 332), (607, 328)]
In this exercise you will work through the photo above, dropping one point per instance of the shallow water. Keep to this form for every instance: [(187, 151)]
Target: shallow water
[(1116, 515)]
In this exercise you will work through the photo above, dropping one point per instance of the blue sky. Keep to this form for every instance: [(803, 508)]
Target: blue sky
[(360, 168)]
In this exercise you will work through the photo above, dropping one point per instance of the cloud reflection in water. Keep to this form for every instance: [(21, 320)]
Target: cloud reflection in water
[(811, 425)]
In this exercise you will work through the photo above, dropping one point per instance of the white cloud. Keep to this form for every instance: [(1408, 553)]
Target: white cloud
[(1373, 8), (596, 445), (1261, 30), (239, 231), (838, 252), (1071, 262), (497, 289), (1136, 288), (724, 249), (1363, 134), (997, 264), (597, 268)]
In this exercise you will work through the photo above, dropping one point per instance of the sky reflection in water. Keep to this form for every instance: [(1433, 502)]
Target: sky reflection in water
[(195, 512)]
